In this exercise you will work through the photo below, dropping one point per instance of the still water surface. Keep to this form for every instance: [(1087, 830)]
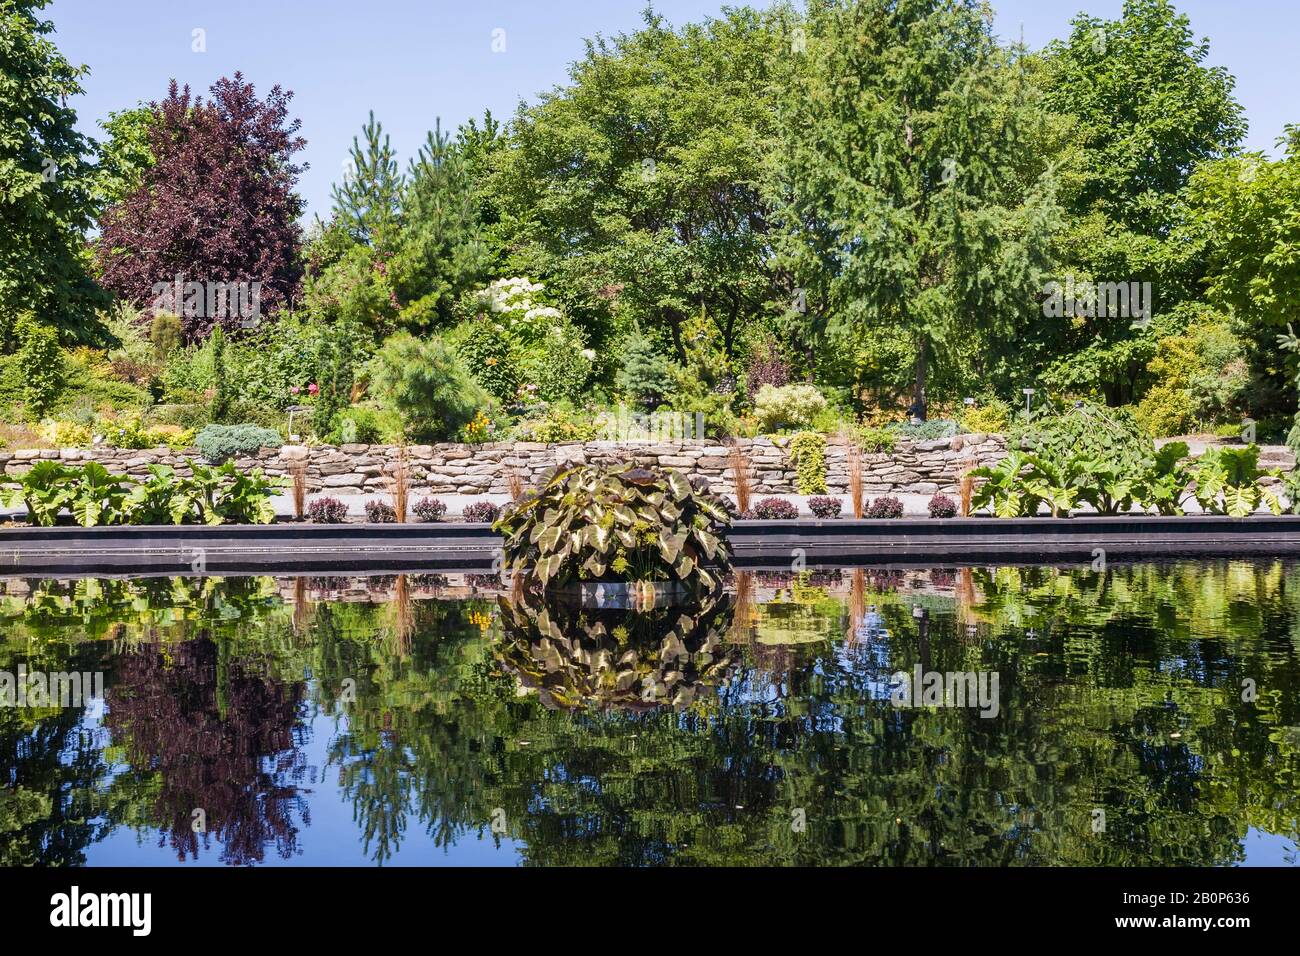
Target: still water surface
[(1149, 715)]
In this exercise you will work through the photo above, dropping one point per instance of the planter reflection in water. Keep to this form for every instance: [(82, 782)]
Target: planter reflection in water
[(577, 658)]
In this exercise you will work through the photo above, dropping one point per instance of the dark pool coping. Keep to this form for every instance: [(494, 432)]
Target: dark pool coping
[(292, 547)]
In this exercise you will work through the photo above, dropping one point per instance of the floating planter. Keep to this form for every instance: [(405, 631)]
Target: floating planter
[(622, 526)]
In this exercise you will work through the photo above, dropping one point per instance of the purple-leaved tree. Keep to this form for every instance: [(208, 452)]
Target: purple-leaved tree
[(216, 213)]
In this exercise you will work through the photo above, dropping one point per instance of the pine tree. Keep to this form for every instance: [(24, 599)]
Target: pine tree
[(442, 253), (367, 203), (903, 186)]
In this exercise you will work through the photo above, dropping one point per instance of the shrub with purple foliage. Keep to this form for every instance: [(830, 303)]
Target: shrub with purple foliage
[(429, 509), (766, 367), (380, 512), (481, 511), (886, 507), (941, 506), (327, 511), (775, 509), (824, 507)]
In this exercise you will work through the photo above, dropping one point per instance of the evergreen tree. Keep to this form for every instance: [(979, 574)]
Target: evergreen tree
[(367, 202), (441, 251), (903, 197)]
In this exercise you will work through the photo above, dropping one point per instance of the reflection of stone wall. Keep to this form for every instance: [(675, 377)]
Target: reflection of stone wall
[(921, 467)]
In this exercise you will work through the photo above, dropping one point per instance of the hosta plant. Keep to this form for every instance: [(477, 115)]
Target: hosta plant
[(589, 523)]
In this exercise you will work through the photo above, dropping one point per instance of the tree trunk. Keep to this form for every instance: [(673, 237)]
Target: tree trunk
[(920, 369)]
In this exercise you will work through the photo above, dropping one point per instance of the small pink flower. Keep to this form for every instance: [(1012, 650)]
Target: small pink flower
[(294, 390), (313, 388)]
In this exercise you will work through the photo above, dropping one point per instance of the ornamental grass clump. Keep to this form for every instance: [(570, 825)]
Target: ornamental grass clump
[(625, 524)]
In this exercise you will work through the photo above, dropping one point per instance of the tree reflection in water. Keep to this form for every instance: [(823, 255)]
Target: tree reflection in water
[(1120, 692), (222, 740)]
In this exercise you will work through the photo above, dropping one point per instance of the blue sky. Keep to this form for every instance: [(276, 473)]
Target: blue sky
[(413, 61)]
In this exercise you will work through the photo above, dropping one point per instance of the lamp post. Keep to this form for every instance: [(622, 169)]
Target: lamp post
[(1029, 395)]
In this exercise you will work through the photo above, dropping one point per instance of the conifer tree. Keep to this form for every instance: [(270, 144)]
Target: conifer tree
[(904, 194)]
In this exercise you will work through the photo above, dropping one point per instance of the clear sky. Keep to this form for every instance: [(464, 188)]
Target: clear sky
[(415, 60)]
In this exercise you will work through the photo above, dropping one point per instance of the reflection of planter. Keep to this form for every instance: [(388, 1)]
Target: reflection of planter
[(575, 657), (624, 595)]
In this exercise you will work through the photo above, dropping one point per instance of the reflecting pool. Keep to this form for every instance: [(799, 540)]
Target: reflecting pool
[(1146, 715)]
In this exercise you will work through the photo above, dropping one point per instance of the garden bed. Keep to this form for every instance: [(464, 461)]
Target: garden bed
[(292, 547)]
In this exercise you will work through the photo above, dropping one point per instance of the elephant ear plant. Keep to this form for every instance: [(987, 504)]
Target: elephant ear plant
[(588, 523)]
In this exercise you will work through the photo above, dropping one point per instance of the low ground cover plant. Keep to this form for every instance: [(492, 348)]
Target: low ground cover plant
[(481, 511), (773, 509), (327, 510), (430, 509), (886, 506), (824, 507)]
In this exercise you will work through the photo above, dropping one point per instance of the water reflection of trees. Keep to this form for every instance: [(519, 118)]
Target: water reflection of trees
[(218, 738), (1119, 692)]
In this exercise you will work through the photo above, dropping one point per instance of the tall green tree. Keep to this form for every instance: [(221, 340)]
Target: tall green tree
[(635, 190), (905, 204), (367, 202), (1145, 111), (46, 182), (1243, 222), (441, 252)]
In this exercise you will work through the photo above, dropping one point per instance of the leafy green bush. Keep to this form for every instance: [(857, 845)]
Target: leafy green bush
[(40, 362), (427, 385), (872, 439), (364, 425), (96, 497), (219, 442), (808, 452), (562, 422), (788, 406), (490, 356), (988, 417)]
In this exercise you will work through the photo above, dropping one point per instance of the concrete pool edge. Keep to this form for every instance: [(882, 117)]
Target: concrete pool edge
[(294, 547)]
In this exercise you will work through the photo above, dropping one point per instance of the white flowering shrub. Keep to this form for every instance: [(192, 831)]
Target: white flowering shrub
[(788, 406), (549, 351)]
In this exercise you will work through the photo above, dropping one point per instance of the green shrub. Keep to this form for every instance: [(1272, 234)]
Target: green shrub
[(626, 523), (219, 442), (788, 406), (40, 362), (645, 375), (221, 396), (808, 452), (562, 422), (427, 385), (165, 334), (489, 355), (363, 425), (988, 417), (872, 439)]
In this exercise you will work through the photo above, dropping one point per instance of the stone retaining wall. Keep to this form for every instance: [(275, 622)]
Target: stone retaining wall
[(912, 467)]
